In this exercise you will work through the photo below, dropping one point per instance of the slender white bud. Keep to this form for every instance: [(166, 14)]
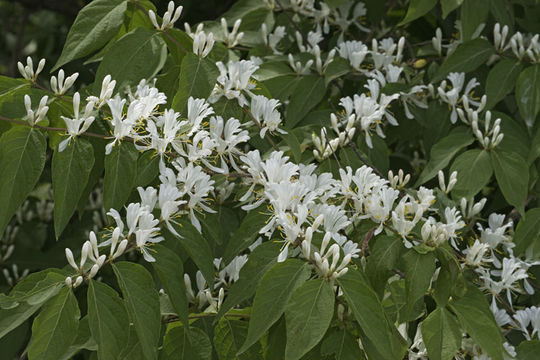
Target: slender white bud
[(93, 271), (78, 281), (70, 259)]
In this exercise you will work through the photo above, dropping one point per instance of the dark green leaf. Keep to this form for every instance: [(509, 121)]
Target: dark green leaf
[(474, 172), (528, 232), (473, 13), (108, 320), (342, 345), (273, 293), (229, 335), (10, 319), (501, 80), (418, 8), (70, 171), (477, 319), (467, 57), (528, 350), (419, 269), (142, 302), (308, 93), (147, 168), (22, 158), (94, 26), (449, 5), (383, 258), (245, 235), (55, 327), (308, 315), (120, 175), (528, 94), (441, 334), (178, 345), (512, 173)]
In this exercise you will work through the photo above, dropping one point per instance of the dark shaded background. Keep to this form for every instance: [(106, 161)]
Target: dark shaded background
[(38, 28)]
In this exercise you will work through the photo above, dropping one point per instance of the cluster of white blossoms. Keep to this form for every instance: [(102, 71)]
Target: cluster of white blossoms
[(521, 44)]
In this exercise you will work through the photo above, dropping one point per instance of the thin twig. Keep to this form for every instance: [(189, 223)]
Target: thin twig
[(48, 128)]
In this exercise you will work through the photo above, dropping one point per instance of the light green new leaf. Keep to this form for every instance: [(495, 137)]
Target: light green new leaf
[(308, 315), (441, 334), (139, 54), (528, 94), (142, 302), (501, 80), (120, 175), (55, 328), (418, 8), (108, 320), (273, 293), (528, 233), (22, 158), (467, 57), (259, 262), (178, 345), (477, 319), (229, 335), (512, 173), (70, 171), (474, 172), (197, 248), (419, 269), (307, 94), (197, 79), (370, 315), (443, 151), (94, 26), (342, 345), (170, 270)]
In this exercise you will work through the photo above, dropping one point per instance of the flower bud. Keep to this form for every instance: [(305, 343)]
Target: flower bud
[(70, 259)]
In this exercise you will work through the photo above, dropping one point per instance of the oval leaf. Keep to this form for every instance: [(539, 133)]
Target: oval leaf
[(120, 175), (474, 172)]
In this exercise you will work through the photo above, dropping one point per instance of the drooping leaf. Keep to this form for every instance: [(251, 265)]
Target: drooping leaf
[(70, 171), (441, 334), (258, 263), (197, 79), (474, 172), (55, 328), (94, 26), (308, 315), (528, 94), (501, 80), (143, 54), (512, 174), (272, 295), (467, 57), (22, 158), (108, 320), (142, 303), (178, 345), (477, 319), (170, 270), (308, 93), (370, 315), (120, 175)]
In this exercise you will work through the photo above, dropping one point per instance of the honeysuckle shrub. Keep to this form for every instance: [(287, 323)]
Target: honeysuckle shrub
[(298, 179)]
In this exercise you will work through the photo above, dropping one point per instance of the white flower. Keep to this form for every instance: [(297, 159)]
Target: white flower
[(231, 38), (169, 18), (60, 86), (233, 79), (354, 51), (79, 123), (203, 43), (264, 111), (28, 71), (476, 254), (32, 116), (107, 88), (452, 96)]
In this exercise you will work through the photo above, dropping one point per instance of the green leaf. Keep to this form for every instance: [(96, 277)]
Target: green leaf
[(528, 233), (10, 319), (147, 168), (55, 328), (169, 268), (35, 288), (441, 334), (259, 262), (443, 151), (229, 335), (197, 79), (501, 80), (477, 319), (384, 257), (272, 295), (528, 350), (307, 94), (308, 315), (419, 269), (467, 57), (120, 175), (197, 248), (245, 235), (108, 320), (503, 13), (271, 69), (137, 55), (418, 8), (177, 345), (342, 345), (22, 158), (449, 5), (512, 173), (337, 68), (528, 94), (142, 302), (94, 26), (474, 172), (83, 340), (70, 171), (473, 13), (369, 313)]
